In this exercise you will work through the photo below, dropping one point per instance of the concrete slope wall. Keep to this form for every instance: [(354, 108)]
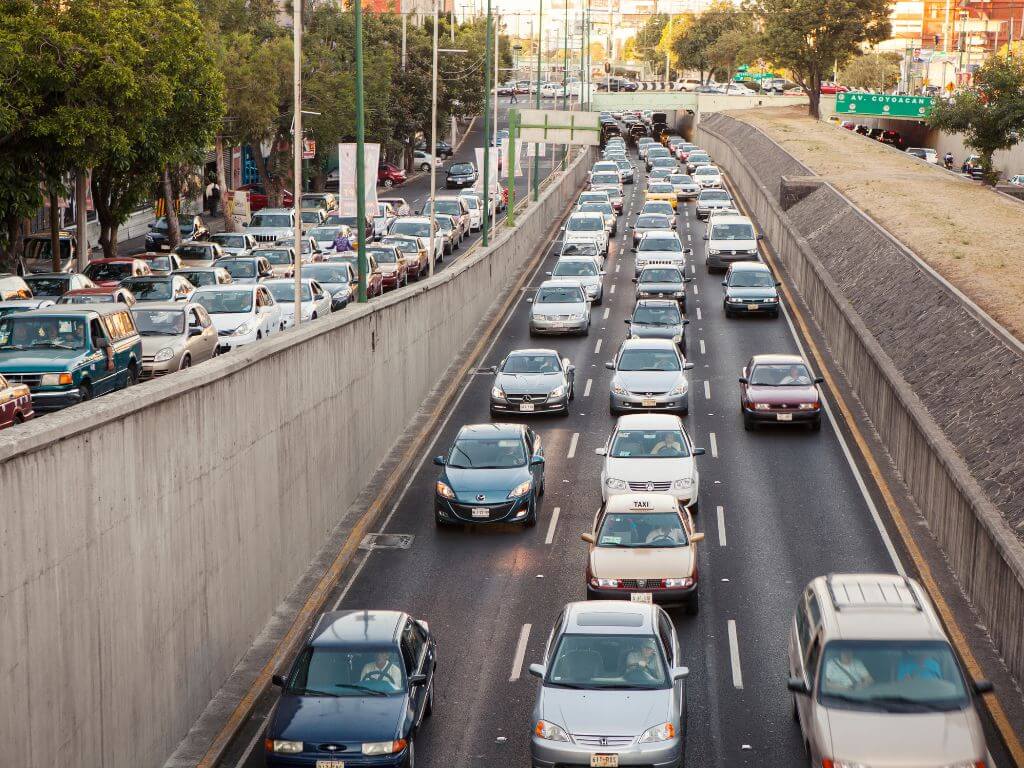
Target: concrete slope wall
[(941, 383), (147, 536)]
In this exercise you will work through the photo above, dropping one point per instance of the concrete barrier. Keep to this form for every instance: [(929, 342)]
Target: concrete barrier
[(969, 521), (146, 537)]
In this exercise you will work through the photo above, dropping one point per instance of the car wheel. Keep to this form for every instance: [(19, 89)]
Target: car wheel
[(259, 335), (692, 605), (728, 313), (775, 315), (85, 392), (599, 300), (388, 183), (816, 425), (133, 376), (531, 519), (186, 362), (425, 167), (748, 423), (439, 522)]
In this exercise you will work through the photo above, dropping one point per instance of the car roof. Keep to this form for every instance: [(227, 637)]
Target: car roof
[(611, 617), (274, 210), (532, 351), (648, 421), (778, 358), (228, 287), (648, 344), (356, 627), (116, 260), (749, 266), (666, 303), (163, 306), (99, 290), (491, 430), (72, 309), (587, 214), (731, 219), (574, 257), (872, 606), (560, 283), (658, 233)]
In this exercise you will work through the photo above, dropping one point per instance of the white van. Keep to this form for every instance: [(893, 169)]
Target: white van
[(729, 239)]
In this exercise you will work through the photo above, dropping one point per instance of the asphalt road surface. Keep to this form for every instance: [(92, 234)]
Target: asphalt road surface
[(778, 506)]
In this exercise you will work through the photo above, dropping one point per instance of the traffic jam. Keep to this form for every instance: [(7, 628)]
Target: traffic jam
[(649, 544)]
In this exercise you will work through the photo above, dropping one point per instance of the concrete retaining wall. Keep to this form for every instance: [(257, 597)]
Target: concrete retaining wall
[(147, 536), (941, 383)]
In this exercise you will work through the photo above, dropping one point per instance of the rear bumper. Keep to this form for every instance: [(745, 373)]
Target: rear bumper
[(770, 416), (752, 309), (660, 595), (723, 260)]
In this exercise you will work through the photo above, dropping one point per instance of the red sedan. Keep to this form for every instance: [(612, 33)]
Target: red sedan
[(389, 174), (779, 389), (832, 88), (15, 403), (258, 198)]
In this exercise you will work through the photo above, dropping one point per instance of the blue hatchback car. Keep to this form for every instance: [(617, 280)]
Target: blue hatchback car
[(356, 695), (494, 473)]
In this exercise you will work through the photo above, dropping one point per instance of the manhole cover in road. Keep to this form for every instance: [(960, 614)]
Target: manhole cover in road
[(386, 541)]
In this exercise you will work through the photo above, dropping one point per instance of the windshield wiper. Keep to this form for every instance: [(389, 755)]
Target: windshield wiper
[(53, 344), (363, 688), (313, 692), (13, 346), (903, 700), (459, 466), (574, 686)]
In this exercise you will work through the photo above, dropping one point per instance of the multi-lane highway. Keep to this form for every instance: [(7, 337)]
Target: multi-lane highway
[(778, 507)]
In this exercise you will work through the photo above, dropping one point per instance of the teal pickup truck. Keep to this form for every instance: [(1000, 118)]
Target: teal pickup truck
[(67, 354)]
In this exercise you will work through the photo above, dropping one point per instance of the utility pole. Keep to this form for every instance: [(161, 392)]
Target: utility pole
[(485, 235), (667, 52), (433, 150), (357, 12), (565, 78), (536, 153), (497, 38), (297, 155), (405, 24)]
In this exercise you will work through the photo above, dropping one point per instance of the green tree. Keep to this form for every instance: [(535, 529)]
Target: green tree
[(645, 44), (736, 45), (878, 70), (810, 36), (989, 114), (699, 45)]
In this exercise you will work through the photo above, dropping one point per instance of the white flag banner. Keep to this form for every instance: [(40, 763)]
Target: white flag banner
[(495, 159), (539, 149), (506, 159), (347, 178)]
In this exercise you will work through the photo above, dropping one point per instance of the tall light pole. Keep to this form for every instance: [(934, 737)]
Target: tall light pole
[(485, 234), (357, 13), (536, 153), (297, 153), (497, 38), (433, 151)]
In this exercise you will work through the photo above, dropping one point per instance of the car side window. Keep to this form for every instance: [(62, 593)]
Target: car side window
[(665, 633), (803, 624), (811, 660), (554, 634), (408, 651), (96, 332), (416, 641)]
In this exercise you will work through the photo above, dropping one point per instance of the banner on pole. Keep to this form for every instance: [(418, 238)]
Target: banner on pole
[(347, 178), (506, 158), (496, 159), (534, 149), (556, 126)]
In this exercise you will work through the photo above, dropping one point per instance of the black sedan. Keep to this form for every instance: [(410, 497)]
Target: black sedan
[(359, 690), (658, 319), (460, 175), (662, 282), (192, 228), (444, 149)]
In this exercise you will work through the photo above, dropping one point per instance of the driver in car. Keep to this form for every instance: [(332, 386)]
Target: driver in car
[(382, 669), (644, 658)]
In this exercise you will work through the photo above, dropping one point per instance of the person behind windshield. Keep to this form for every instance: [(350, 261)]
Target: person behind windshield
[(645, 657), (846, 672), (795, 376), (669, 445), (404, 209), (382, 669), (342, 242), (920, 666)]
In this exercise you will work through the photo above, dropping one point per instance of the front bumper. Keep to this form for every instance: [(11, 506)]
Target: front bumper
[(459, 183), (351, 759), (557, 326), (539, 404), (44, 401), (549, 754), (662, 402), (751, 308), (509, 511), (227, 343), (660, 595), (389, 280), (723, 260), (789, 415)]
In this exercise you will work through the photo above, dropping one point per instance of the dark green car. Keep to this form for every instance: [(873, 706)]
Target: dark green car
[(67, 354)]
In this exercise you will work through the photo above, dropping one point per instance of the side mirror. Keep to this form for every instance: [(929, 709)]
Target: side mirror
[(417, 680), (819, 380), (627, 321), (587, 537), (687, 279), (633, 279), (706, 237), (982, 686), (537, 461), (744, 380), (548, 274), (797, 685), (439, 460), (687, 366), (601, 451), (602, 273), (777, 283), (678, 673), (537, 670), (610, 366), (725, 283), (758, 236), (699, 451), (529, 301), (278, 680), (194, 331), (695, 537)]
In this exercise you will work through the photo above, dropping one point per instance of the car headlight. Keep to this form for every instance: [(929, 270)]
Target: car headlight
[(284, 747), (618, 389), (663, 732), (683, 483), (772, 299), (677, 583), (163, 355), (679, 389), (550, 731), (761, 406), (521, 490), (498, 393), (577, 316), (55, 379), (244, 328), (734, 300), (444, 490), (604, 583), (615, 484), (677, 338), (808, 406), (557, 391), (384, 747)]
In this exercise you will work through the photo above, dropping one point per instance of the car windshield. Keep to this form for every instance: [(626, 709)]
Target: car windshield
[(663, 162), (649, 444), (642, 531), (662, 207), (341, 672), (150, 290), (404, 244), (751, 278), (199, 277), (597, 207), (108, 272), (657, 151), (655, 221), (159, 263), (780, 375), (224, 302), (706, 170), (21, 332), (714, 194), (579, 249), (159, 322), (323, 233), (414, 228), (699, 157), (574, 268), (278, 220), (624, 165), (239, 268), (326, 273), (461, 168), (732, 232), (311, 201), (671, 244), (200, 252), (605, 178), (448, 207), (891, 676), (585, 224), (648, 360), (560, 295), (311, 217), (43, 287), (229, 241), (681, 178), (661, 189), (278, 256), (444, 223), (660, 275), (487, 453), (532, 364), (648, 315), (623, 662), (605, 167), (383, 255), (285, 292)]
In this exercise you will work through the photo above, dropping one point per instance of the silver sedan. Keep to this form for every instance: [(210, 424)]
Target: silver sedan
[(560, 306), (532, 381), (612, 689)]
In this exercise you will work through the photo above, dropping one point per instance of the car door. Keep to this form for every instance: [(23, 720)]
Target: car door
[(102, 365), (534, 447), (414, 649), (667, 635), (203, 346)]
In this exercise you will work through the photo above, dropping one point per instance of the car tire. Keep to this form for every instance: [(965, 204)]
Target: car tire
[(775, 315), (599, 300), (186, 362), (816, 425), (132, 377), (748, 423), (85, 392), (425, 167), (388, 183), (693, 605), (728, 314), (439, 522), (531, 519)]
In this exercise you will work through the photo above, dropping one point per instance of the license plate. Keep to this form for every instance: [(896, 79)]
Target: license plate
[(753, 306), (604, 761), (330, 764), (784, 417), (648, 402), (640, 597), (481, 512), (526, 407)]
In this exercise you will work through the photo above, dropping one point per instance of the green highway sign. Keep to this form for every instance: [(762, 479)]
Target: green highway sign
[(884, 105)]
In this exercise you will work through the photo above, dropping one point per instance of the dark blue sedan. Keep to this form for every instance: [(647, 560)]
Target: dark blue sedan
[(494, 473), (357, 693)]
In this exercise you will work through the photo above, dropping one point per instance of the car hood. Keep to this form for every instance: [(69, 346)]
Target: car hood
[(557, 309), (492, 484), (660, 563), (230, 321), (582, 236), (648, 470), (644, 331), (648, 381), (605, 713), (660, 287), (930, 738), (751, 293), (153, 344), (519, 383), (320, 719), (36, 360), (779, 395)]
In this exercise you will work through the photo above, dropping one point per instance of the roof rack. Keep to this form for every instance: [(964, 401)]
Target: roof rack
[(888, 594)]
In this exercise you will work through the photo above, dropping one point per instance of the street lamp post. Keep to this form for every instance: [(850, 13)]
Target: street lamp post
[(485, 234), (565, 77), (297, 154), (536, 153), (357, 13)]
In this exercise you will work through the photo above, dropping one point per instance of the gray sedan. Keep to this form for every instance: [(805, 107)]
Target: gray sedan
[(612, 689), (560, 306), (713, 200), (533, 381), (174, 336), (584, 270), (649, 376)]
